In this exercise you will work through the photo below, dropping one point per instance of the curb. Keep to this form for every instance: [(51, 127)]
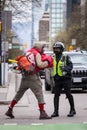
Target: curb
[(4, 102)]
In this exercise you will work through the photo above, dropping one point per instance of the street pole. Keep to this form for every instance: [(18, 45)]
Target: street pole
[(0, 46), (32, 29)]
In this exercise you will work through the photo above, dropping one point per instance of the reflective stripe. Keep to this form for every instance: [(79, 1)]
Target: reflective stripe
[(58, 71), (57, 66)]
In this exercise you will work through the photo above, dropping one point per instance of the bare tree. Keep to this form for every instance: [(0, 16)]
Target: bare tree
[(21, 8)]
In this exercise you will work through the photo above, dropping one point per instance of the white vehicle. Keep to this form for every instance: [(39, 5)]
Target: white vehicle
[(79, 72)]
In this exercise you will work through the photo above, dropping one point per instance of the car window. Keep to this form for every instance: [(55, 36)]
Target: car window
[(78, 58), (49, 53)]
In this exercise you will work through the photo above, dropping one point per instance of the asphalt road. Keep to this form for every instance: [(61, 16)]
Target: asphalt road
[(28, 113)]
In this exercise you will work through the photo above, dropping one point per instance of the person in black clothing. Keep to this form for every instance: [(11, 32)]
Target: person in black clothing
[(62, 78)]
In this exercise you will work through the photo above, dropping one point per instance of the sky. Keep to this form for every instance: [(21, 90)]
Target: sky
[(23, 28), (23, 31)]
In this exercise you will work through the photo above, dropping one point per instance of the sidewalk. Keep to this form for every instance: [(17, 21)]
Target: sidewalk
[(3, 95), (7, 92)]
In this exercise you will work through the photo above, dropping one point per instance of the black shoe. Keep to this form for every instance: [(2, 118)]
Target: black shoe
[(71, 113), (9, 113), (55, 114)]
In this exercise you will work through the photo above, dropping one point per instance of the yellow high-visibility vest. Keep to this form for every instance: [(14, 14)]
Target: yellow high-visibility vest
[(57, 67)]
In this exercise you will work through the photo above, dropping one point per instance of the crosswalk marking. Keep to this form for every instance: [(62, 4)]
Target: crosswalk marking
[(37, 124), (17, 124), (85, 122), (10, 124)]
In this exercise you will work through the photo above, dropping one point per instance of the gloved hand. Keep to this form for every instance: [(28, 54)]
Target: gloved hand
[(65, 68)]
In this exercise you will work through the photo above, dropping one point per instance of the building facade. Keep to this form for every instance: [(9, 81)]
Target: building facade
[(70, 9), (57, 17), (44, 27)]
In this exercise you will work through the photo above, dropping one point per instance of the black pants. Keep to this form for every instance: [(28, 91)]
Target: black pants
[(63, 83)]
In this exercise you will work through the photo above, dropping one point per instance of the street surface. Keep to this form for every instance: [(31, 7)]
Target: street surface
[(27, 113)]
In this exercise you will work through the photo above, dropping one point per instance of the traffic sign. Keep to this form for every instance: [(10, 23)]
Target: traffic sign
[(15, 46)]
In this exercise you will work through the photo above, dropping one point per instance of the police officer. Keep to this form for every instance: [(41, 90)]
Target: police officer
[(62, 78)]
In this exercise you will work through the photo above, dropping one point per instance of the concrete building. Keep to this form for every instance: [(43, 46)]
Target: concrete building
[(44, 27)]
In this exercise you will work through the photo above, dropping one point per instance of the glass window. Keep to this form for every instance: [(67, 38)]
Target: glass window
[(59, 20), (53, 20), (60, 1), (61, 6), (53, 11), (61, 16), (53, 5), (58, 15), (62, 20), (61, 25), (58, 5), (61, 10), (53, 25), (53, 15), (53, 34), (55, 0), (58, 10), (58, 29), (58, 25)]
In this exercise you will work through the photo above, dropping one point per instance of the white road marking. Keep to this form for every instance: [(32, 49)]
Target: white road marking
[(10, 124), (85, 122), (37, 124), (17, 124)]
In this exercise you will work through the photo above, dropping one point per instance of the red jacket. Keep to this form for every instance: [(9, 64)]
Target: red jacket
[(44, 57)]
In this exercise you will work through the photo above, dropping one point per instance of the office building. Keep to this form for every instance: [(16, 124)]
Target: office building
[(70, 9), (44, 27), (57, 17)]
